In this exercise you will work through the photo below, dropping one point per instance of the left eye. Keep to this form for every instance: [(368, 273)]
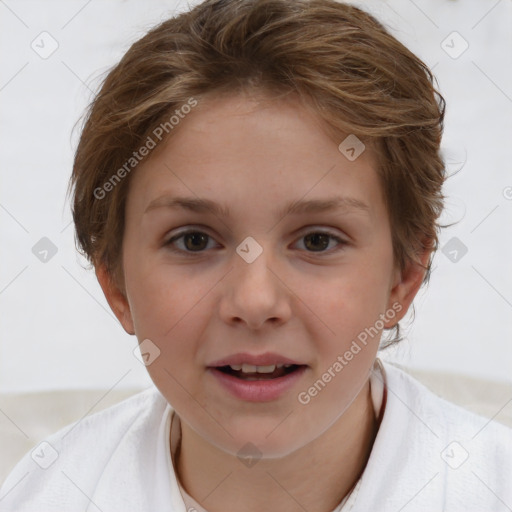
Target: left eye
[(320, 240), (197, 241)]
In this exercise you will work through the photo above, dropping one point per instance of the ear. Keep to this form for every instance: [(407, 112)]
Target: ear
[(115, 298), (406, 285)]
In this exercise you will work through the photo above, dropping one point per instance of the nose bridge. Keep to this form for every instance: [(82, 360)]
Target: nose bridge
[(253, 262), (254, 294), (250, 250)]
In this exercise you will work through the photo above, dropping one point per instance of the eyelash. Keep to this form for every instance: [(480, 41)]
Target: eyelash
[(169, 242)]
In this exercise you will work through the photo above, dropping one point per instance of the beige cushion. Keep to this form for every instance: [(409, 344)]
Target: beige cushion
[(26, 419), (487, 398)]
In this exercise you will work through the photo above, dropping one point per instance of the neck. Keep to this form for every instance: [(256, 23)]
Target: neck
[(218, 481)]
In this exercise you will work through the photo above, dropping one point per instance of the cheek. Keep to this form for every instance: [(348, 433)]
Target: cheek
[(172, 310), (168, 311), (350, 309), (355, 296), (155, 300)]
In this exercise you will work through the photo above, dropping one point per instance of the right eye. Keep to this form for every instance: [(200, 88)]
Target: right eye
[(191, 241)]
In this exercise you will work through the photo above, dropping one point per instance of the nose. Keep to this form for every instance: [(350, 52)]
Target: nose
[(255, 294)]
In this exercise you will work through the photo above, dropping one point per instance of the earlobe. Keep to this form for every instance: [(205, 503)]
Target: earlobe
[(115, 298), (405, 287)]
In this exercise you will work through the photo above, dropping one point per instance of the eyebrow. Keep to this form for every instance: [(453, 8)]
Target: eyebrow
[(200, 205)]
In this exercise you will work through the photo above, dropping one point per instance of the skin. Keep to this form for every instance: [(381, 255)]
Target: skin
[(298, 298)]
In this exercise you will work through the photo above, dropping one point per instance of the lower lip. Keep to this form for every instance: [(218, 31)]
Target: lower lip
[(258, 390)]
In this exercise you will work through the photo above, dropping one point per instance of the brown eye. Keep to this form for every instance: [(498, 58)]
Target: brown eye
[(318, 241), (193, 241)]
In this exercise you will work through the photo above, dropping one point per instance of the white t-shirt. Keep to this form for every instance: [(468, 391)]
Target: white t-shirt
[(429, 455)]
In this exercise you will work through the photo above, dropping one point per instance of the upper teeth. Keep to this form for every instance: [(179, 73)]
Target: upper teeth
[(250, 368)]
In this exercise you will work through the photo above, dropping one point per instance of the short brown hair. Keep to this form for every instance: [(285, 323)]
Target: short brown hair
[(336, 57)]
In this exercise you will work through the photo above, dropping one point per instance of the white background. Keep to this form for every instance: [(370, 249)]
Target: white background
[(57, 331)]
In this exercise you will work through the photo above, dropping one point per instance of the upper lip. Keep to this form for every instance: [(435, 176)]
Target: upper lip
[(266, 359)]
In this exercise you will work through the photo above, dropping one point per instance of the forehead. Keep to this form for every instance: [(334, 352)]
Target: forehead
[(248, 150)]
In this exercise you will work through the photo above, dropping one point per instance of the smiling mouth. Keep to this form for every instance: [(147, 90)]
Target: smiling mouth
[(275, 374)]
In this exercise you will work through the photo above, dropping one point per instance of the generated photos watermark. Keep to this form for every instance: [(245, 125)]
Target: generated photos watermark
[(305, 397), (151, 142)]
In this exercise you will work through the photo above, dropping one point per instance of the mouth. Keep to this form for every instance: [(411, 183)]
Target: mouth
[(252, 372), (257, 377), (258, 383)]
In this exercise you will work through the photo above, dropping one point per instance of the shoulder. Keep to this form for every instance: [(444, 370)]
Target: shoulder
[(465, 457), (70, 461), (105, 427), (455, 419)]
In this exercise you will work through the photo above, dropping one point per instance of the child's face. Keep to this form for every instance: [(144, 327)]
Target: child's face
[(305, 298)]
